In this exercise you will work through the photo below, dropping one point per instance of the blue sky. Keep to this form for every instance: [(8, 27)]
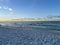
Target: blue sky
[(29, 8)]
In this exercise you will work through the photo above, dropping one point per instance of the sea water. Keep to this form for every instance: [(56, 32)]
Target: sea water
[(30, 33), (51, 25)]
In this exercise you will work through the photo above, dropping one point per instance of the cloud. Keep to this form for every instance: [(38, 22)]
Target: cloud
[(4, 7), (0, 7), (10, 9), (7, 8)]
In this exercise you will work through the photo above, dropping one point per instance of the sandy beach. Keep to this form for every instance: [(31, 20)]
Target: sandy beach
[(28, 36)]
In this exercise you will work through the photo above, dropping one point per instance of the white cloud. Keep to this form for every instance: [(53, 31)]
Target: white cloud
[(0, 7), (7, 8), (10, 9)]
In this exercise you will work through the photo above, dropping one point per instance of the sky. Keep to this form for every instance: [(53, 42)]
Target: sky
[(29, 8)]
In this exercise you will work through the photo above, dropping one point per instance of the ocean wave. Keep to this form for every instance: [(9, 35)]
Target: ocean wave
[(37, 24)]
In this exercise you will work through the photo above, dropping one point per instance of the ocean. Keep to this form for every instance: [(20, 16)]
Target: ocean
[(50, 25), (30, 33)]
